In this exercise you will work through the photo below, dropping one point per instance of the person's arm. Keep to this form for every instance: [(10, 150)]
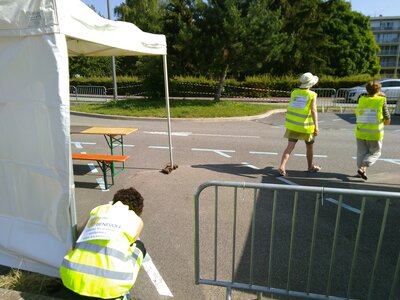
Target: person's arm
[(138, 229), (386, 114), (314, 114)]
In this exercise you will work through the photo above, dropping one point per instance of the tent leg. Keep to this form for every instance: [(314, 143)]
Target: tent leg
[(171, 165)]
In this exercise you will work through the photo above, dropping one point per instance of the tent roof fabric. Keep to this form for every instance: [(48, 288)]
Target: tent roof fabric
[(87, 33)]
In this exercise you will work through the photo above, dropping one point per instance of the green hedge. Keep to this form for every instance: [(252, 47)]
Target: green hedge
[(253, 86)]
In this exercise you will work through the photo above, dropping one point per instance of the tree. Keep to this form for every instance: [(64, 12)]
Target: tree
[(242, 37), (326, 38), (180, 28), (350, 48), (147, 15)]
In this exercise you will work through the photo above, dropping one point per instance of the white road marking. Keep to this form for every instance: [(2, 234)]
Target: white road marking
[(389, 160), (220, 152), (78, 145), (266, 153), (92, 168), (350, 208), (286, 180), (250, 166), (335, 120), (315, 155), (202, 134), (166, 133), (228, 135), (155, 276), (159, 147), (278, 126), (125, 145), (345, 206), (102, 185)]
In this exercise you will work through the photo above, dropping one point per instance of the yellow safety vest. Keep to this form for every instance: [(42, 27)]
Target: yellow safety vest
[(298, 115), (104, 268), (369, 115)]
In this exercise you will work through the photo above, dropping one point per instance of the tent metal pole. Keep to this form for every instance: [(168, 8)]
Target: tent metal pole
[(114, 73), (168, 112)]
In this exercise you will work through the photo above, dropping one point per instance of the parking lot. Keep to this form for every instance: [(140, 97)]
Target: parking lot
[(244, 151)]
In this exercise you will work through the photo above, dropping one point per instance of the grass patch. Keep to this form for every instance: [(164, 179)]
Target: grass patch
[(29, 282), (178, 108)]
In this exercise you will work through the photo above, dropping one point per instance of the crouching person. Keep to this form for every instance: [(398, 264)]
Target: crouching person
[(107, 257)]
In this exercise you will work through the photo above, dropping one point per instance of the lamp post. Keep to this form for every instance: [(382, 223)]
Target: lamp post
[(114, 73)]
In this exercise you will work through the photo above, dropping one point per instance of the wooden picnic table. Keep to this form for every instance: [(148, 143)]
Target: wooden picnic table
[(114, 137)]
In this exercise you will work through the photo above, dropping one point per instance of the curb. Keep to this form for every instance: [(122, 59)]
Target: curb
[(246, 118)]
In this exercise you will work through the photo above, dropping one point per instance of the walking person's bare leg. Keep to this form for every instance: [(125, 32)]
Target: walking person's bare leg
[(310, 155), (285, 157)]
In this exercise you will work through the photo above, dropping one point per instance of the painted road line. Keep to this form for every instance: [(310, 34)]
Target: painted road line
[(125, 145), (345, 206), (100, 182), (389, 160), (78, 145), (155, 276), (220, 152), (166, 133), (315, 155), (159, 147), (228, 135), (278, 126), (91, 166), (283, 179), (250, 166), (202, 134), (263, 153), (350, 208)]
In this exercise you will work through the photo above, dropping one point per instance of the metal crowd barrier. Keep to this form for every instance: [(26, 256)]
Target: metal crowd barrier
[(88, 93), (297, 241)]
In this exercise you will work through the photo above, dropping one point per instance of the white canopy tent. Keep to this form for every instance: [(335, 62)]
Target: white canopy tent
[(37, 202)]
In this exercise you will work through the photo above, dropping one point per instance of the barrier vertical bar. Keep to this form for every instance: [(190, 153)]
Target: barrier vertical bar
[(253, 232), (215, 232), (314, 233), (234, 234), (334, 244), (196, 239), (395, 278), (292, 234), (378, 248), (357, 242), (271, 243)]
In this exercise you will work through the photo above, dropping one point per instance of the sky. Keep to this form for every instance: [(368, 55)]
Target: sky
[(387, 8)]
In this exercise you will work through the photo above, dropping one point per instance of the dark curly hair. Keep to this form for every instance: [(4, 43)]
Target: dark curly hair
[(130, 197), (373, 87)]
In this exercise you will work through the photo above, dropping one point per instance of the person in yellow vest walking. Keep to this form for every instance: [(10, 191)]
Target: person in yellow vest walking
[(372, 114), (108, 255), (301, 121)]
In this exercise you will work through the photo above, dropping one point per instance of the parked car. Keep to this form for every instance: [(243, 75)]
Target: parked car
[(391, 88)]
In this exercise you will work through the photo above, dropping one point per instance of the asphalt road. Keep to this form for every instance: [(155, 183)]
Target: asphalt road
[(239, 150)]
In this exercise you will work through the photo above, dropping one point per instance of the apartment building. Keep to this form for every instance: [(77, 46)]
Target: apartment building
[(387, 35)]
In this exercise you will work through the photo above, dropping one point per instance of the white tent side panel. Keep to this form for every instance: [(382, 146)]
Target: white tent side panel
[(37, 205), (36, 186)]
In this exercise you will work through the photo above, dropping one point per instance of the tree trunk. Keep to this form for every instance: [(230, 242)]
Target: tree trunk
[(221, 82)]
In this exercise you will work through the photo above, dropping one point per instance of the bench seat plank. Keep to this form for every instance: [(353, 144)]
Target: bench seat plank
[(105, 162), (100, 157)]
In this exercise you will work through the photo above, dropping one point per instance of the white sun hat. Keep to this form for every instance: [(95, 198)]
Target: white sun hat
[(307, 80)]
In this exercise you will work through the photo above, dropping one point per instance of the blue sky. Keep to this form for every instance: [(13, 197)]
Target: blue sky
[(367, 7)]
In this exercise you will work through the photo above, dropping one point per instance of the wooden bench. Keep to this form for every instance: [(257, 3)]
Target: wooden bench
[(105, 162)]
